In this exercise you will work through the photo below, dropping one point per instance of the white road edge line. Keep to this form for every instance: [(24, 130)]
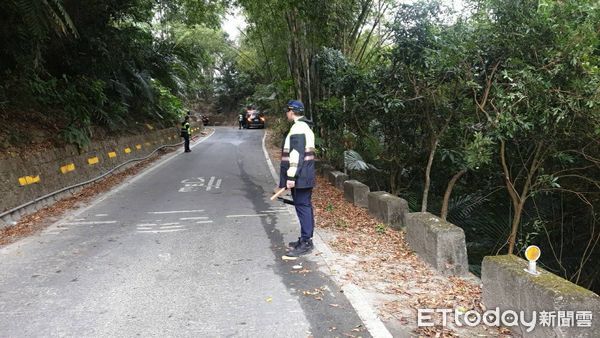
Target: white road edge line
[(89, 223), (159, 231), (253, 215), (16, 245), (204, 222), (191, 218), (352, 292), (174, 212)]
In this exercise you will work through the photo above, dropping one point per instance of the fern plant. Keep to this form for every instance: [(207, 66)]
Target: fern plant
[(42, 16)]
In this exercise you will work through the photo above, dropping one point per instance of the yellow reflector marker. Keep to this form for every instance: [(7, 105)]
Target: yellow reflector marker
[(67, 168), (138, 146), (149, 126), (532, 253), (26, 180), (112, 154), (146, 143), (127, 150), (93, 160)]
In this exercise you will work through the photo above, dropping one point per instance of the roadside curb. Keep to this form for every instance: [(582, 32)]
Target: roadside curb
[(353, 293)]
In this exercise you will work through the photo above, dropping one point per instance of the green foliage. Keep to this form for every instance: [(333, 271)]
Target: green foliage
[(329, 207), (108, 64), (381, 228), (517, 74)]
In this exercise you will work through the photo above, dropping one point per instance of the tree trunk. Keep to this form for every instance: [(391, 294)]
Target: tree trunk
[(448, 192), (518, 200), (427, 175), (393, 179), (512, 239)]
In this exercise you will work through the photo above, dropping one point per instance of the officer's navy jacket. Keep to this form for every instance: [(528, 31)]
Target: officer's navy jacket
[(298, 156)]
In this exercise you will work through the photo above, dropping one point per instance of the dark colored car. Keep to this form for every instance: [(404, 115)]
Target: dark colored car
[(205, 120), (255, 119)]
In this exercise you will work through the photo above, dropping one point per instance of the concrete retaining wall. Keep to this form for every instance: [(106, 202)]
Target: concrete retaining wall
[(439, 243), (506, 285), (29, 175)]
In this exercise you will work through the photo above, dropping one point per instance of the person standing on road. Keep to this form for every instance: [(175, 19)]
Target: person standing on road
[(297, 173), (186, 133), (241, 121)]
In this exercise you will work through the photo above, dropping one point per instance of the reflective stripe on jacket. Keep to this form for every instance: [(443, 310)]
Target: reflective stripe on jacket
[(185, 129), (298, 155)]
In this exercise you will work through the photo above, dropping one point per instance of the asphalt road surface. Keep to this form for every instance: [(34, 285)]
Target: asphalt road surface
[(191, 247)]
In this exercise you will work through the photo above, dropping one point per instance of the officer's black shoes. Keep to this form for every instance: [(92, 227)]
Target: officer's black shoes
[(294, 244), (187, 151), (303, 248)]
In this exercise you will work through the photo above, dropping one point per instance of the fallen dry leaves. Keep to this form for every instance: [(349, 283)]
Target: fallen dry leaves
[(379, 260)]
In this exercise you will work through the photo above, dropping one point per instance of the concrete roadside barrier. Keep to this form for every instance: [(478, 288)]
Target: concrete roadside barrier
[(439, 243), (357, 193), (562, 309)]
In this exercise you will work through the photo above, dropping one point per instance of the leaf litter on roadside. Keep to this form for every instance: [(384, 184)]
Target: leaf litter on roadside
[(381, 261)]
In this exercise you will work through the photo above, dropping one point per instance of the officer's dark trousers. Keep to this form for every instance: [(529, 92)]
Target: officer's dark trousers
[(186, 139), (304, 210)]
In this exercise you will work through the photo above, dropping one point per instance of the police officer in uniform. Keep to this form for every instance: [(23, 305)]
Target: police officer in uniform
[(297, 173), (241, 120), (186, 133)]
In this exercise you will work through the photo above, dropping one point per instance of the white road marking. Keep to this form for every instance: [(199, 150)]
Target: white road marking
[(146, 224), (101, 215), (218, 184), (144, 228), (191, 218), (89, 223), (174, 212), (159, 231), (253, 215), (172, 223), (210, 183), (171, 227), (204, 222), (274, 211)]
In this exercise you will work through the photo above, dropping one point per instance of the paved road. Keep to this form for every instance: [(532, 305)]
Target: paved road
[(190, 248)]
